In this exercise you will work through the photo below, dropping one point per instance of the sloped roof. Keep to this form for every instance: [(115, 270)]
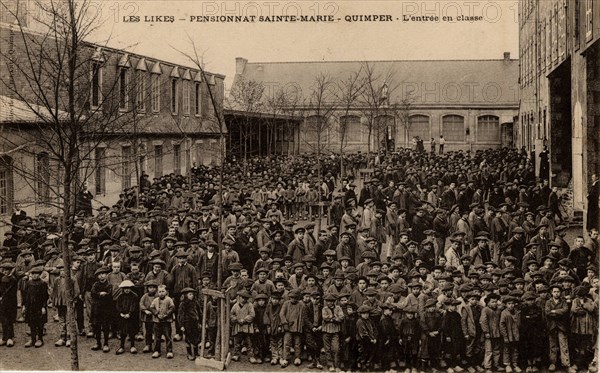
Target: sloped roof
[(16, 111), (433, 82)]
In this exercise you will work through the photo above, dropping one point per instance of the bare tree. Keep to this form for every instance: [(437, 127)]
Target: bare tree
[(320, 105), (247, 96), (347, 95), (374, 99), (402, 112)]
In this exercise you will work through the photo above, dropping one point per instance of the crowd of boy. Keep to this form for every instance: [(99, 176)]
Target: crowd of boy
[(453, 261)]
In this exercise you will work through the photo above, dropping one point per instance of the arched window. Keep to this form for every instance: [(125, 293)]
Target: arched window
[(312, 126), (43, 176), (351, 128), (418, 126), (488, 128), (453, 128), (6, 185)]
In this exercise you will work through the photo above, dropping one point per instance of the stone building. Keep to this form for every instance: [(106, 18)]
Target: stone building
[(472, 103), (168, 124), (559, 85)]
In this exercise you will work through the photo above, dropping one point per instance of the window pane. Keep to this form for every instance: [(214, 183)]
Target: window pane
[(123, 89), (43, 177), (6, 185), (100, 172), (418, 126), (177, 159), (488, 128), (453, 128), (158, 152), (95, 84), (352, 131), (126, 170), (174, 95), (197, 100)]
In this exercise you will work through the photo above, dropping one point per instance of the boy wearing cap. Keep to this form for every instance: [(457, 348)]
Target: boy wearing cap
[(532, 331), (102, 308), (272, 322), (366, 335), (242, 319), (509, 329), (557, 326), (261, 340), (452, 335), (583, 326), (128, 310), (183, 276), (146, 313), (8, 302), (409, 331), (490, 327), (162, 308), (471, 328), (294, 320), (59, 300), (332, 316), (189, 317)]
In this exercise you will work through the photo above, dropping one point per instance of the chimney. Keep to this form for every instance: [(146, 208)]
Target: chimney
[(240, 65), (506, 56)]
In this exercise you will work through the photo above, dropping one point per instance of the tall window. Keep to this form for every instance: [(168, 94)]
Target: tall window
[(418, 126), (43, 176), (158, 166), (96, 86), (312, 126), (174, 103), (100, 171), (352, 130), (488, 128), (6, 185), (126, 166), (140, 100), (177, 159), (123, 88), (155, 93), (197, 96), (186, 97), (453, 128), (589, 20)]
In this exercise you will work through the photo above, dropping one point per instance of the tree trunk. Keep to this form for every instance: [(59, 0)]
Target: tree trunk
[(69, 208)]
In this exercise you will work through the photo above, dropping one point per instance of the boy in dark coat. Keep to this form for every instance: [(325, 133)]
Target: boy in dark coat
[(189, 317), (410, 332), (35, 300), (452, 334), (532, 331), (8, 302), (102, 308), (272, 322), (261, 342), (431, 323), (388, 337), (128, 309), (366, 336)]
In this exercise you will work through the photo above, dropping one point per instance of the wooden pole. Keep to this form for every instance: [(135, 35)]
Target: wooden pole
[(204, 311)]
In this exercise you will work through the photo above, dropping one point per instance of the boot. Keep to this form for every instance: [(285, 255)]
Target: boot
[(194, 352), (189, 353)]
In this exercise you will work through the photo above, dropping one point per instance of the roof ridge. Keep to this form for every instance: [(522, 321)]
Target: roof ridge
[(355, 61)]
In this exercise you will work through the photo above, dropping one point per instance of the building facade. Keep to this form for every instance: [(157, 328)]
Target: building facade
[(559, 84), (165, 123), (472, 103)]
